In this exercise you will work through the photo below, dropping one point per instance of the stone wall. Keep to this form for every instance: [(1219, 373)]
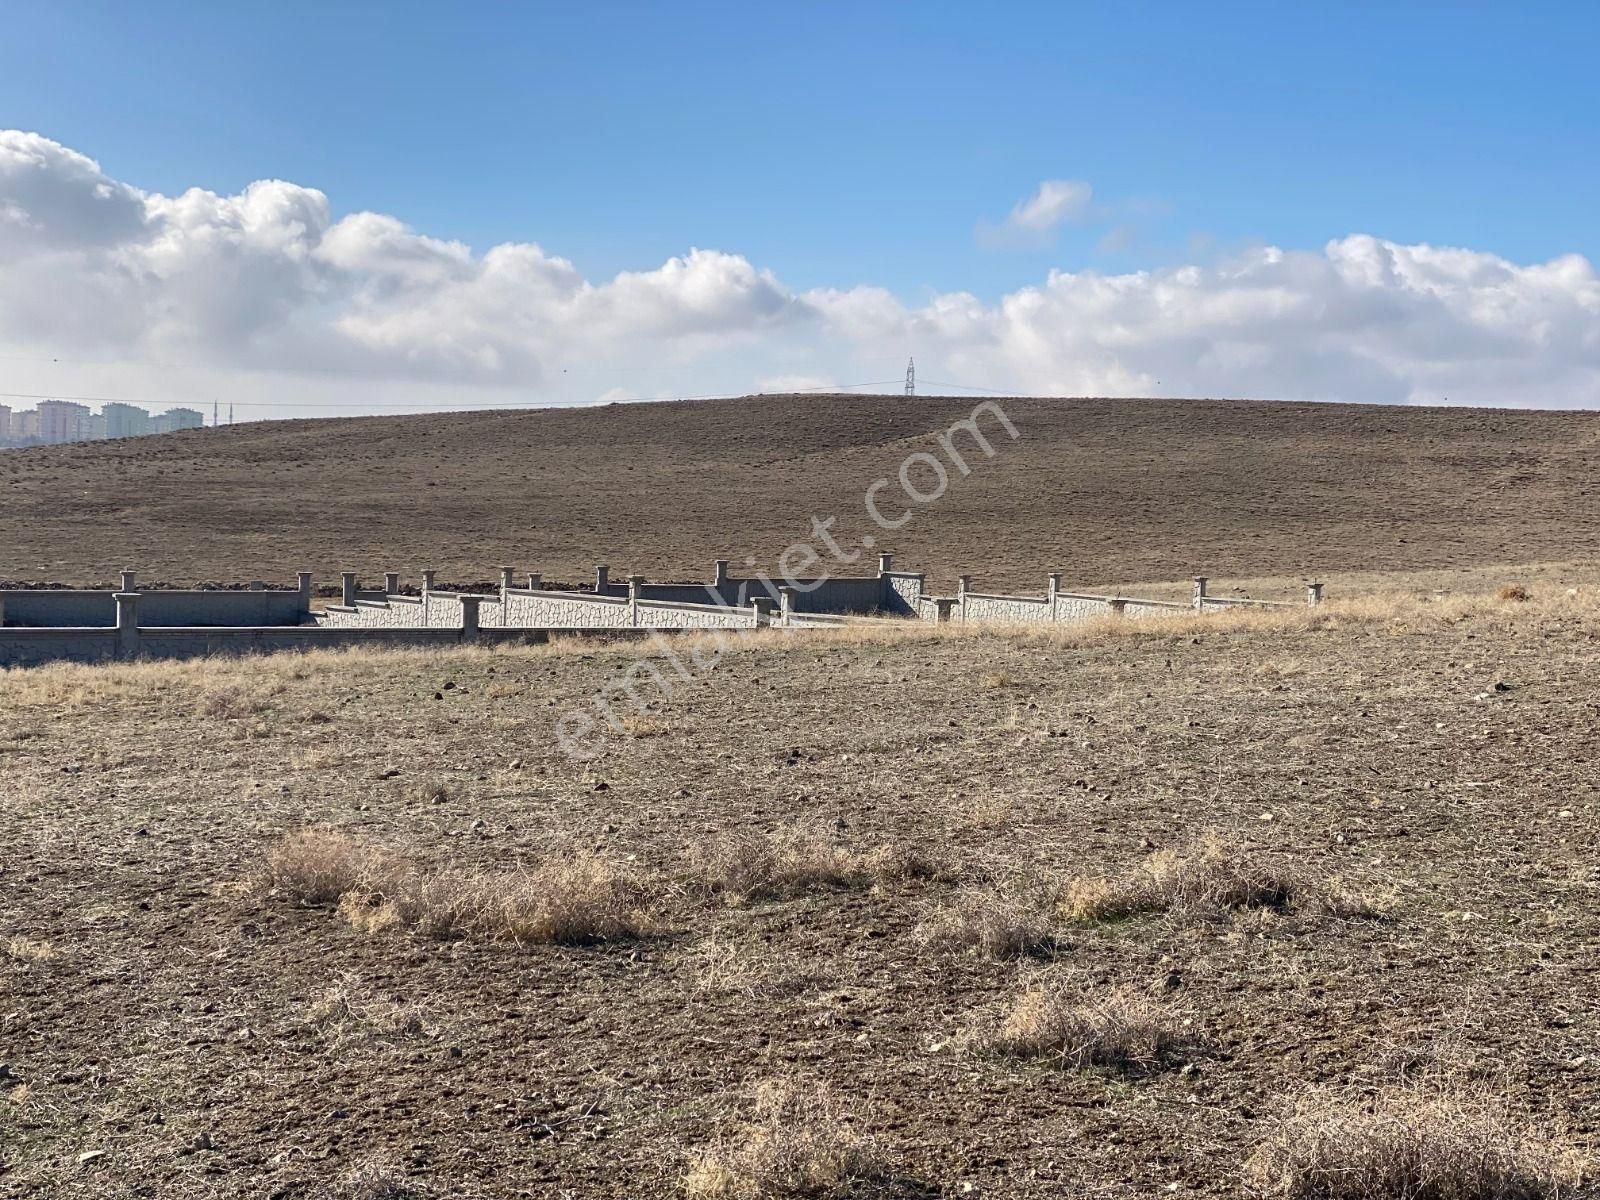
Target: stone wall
[(51, 607), (520, 608)]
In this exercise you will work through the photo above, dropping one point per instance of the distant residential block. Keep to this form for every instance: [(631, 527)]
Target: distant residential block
[(61, 421), (125, 420), (57, 421), (177, 418)]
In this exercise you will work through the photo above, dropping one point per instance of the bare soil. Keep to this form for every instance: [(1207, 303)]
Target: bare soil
[(1108, 491), (176, 1043)]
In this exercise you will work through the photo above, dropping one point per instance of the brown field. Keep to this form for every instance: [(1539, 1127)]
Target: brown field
[(1109, 491), (1303, 903)]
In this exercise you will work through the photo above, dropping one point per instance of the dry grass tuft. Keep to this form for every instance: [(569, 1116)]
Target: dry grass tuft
[(319, 865), (791, 861), (1413, 1143), (645, 725), (340, 1013), (1121, 1030), (1514, 591), (377, 1180), (1006, 922), (801, 1144), (576, 899), (249, 699), (579, 900), (1209, 877), (29, 950)]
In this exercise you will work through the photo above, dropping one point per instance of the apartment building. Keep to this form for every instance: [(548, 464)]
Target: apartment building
[(57, 421), (125, 420)]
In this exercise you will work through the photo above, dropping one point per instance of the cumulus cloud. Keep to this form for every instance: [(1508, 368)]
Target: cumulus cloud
[(271, 281)]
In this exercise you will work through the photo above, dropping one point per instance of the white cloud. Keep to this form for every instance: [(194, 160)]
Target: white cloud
[(1035, 220), (1056, 202), (239, 290)]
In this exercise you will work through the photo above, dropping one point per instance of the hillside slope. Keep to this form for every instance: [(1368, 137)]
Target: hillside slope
[(1107, 491)]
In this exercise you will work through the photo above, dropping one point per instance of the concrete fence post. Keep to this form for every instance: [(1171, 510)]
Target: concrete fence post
[(763, 610), (302, 584), (635, 582), (391, 583), (944, 606), (1200, 591), (1313, 594), (602, 579), (427, 581), (786, 605), (535, 581), (347, 588), (963, 583), (129, 582), (1055, 586), (508, 580), (469, 617), (885, 563), (127, 624), (719, 578)]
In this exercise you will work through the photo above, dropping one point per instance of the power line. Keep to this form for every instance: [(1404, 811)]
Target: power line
[(967, 387), (538, 403)]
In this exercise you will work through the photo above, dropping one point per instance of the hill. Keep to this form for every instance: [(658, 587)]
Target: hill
[(1108, 491)]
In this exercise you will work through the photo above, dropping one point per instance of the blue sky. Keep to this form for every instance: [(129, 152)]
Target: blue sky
[(851, 145)]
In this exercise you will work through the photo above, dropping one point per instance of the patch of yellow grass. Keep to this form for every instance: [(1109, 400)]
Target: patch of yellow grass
[(1212, 876), (1208, 876), (996, 922), (801, 1144), (1415, 1143), (1119, 1030), (791, 860), (29, 950), (319, 865), (576, 898)]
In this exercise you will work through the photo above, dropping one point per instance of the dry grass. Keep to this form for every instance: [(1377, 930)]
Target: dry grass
[(1413, 1143), (801, 1144), (574, 899), (342, 1013), (791, 861), (377, 1180), (577, 900), (1210, 876), (998, 922), (645, 725), (1513, 591), (319, 865), (1121, 1030), (29, 950), (241, 700)]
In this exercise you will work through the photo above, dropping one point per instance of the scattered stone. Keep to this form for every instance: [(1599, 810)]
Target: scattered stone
[(89, 1156)]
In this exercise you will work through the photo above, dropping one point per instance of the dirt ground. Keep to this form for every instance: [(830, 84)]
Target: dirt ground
[(164, 1020), (1107, 491)]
